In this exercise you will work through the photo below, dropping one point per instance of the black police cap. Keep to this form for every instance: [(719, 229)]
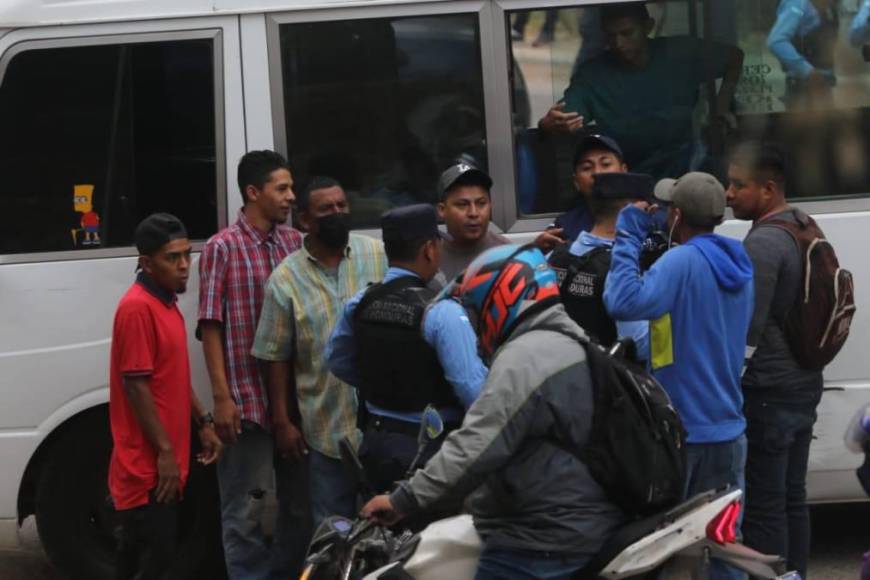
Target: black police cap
[(412, 222), (622, 186), (595, 141)]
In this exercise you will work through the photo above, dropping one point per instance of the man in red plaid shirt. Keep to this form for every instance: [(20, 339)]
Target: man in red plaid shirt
[(233, 271)]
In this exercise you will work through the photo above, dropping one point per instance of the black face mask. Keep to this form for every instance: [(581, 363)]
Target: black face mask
[(334, 230)]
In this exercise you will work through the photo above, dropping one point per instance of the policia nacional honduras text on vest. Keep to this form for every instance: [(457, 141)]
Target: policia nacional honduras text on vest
[(581, 278), (581, 285), (397, 369)]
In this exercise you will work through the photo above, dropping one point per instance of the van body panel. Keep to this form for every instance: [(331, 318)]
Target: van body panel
[(57, 309)]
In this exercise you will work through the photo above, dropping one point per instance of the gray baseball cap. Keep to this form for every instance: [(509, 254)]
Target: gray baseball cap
[(699, 196)]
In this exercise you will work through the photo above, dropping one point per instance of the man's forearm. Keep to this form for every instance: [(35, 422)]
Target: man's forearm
[(142, 402), (213, 349), (281, 386), (197, 408)]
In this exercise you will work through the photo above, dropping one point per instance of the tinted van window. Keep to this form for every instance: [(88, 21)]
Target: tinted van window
[(383, 105), (94, 138)]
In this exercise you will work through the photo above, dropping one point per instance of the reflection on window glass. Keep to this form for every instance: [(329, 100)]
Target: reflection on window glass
[(94, 138), (676, 87), (382, 105)]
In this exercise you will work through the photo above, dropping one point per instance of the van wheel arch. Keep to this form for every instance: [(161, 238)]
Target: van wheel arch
[(65, 482), (93, 418)]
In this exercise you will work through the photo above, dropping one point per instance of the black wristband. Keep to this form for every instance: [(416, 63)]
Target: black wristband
[(207, 419)]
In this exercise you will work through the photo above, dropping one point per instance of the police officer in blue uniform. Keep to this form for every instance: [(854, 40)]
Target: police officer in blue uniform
[(403, 353), (582, 267)]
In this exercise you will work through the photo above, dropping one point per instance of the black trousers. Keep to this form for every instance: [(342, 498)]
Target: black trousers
[(147, 540), (388, 448)]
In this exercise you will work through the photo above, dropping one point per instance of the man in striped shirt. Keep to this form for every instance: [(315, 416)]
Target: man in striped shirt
[(233, 270), (312, 410)]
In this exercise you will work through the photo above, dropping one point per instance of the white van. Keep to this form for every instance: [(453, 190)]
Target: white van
[(113, 109)]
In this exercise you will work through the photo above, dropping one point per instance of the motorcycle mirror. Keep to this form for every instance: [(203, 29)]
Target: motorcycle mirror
[(431, 424)]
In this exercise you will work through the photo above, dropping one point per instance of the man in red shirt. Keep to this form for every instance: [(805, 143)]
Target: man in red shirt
[(151, 403)]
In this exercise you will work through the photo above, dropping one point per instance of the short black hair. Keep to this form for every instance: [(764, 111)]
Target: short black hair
[(606, 209), (404, 251), (313, 184), (256, 167), (635, 10), (764, 160)]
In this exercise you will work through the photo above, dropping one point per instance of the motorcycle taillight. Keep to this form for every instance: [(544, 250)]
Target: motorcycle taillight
[(723, 528)]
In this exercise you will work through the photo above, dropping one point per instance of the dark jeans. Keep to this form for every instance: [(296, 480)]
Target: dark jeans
[(387, 454), (332, 488), (250, 471), (777, 518), (712, 466), (501, 564), (547, 28), (147, 539)]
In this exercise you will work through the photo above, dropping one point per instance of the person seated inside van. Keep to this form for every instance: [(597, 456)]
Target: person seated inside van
[(643, 91)]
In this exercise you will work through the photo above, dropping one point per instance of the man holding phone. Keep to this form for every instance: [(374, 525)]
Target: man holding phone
[(152, 403)]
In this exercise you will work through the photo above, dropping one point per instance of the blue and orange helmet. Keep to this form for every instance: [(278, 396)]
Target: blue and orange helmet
[(503, 286)]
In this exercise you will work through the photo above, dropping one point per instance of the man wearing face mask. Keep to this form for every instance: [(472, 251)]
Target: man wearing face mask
[(439, 364), (699, 299), (311, 409)]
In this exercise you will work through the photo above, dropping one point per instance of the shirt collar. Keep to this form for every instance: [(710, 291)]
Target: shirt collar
[(586, 242), (252, 231), (162, 294), (394, 272), (312, 259)]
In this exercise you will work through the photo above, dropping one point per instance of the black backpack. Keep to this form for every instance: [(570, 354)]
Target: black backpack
[(636, 447)]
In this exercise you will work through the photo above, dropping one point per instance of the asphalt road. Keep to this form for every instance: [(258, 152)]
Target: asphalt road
[(841, 534)]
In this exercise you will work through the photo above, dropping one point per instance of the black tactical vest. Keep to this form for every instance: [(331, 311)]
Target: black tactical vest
[(397, 369), (581, 286)]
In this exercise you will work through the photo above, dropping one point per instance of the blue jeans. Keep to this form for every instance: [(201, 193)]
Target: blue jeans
[(711, 466), (777, 518), (503, 564), (247, 472), (333, 490)]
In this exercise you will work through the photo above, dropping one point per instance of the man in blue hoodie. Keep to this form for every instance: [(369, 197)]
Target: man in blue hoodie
[(699, 299)]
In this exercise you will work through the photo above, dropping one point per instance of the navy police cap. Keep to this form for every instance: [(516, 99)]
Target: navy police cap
[(595, 141), (412, 222)]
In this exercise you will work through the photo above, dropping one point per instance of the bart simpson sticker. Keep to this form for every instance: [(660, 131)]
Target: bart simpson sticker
[(83, 202)]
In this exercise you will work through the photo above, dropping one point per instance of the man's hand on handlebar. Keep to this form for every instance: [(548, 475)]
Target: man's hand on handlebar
[(380, 511)]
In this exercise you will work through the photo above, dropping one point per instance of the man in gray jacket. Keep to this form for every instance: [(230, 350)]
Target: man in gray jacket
[(536, 506), (780, 395)]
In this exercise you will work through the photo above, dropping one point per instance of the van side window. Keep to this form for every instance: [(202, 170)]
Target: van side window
[(677, 87), (95, 138), (383, 105)]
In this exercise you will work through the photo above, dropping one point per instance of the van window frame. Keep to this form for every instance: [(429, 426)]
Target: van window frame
[(494, 103), (213, 34)]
